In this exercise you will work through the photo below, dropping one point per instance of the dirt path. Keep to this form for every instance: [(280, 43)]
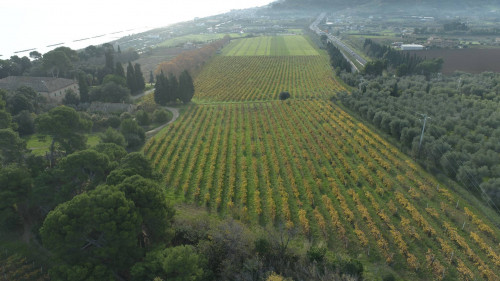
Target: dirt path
[(143, 94)]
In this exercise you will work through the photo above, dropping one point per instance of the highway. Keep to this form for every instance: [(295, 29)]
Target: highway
[(344, 49)]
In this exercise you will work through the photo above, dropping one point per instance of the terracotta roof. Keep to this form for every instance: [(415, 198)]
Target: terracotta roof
[(39, 84)]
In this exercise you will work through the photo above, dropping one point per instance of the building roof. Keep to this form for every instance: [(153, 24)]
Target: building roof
[(39, 84)]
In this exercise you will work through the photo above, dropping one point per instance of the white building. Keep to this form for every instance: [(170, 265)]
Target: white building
[(411, 47)]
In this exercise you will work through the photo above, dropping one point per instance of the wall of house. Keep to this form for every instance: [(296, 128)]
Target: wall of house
[(58, 96)]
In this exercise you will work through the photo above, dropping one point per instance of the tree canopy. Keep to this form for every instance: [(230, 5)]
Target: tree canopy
[(65, 126)]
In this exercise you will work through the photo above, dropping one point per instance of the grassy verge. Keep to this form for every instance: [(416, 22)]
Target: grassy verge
[(39, 144)]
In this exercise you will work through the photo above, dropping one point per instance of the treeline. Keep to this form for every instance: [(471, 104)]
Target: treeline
[(170, 89), (337, 60), (64, 62), (462, 138), (106, 82), (191, 60), (399, 62)]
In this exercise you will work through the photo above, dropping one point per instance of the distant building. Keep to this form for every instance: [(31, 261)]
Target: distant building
[(397, 44), (52, 89), (440, 42), (189, 46), (411, 47)]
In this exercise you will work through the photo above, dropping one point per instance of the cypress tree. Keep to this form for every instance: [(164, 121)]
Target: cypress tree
[(131, 81), (151, 77), (173, 88), (186, 87), (119, 70), (83, 88), (158, 89), (161, 89), (139, 78), (109, 54)]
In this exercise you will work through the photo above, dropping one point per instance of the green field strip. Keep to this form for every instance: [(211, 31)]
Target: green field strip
[(299, 46), (290, 45)]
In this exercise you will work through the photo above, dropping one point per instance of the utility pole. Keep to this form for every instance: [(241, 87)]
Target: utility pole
[(423, 130)]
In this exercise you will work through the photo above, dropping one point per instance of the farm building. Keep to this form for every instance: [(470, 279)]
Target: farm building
[(411, 47), (53, 89)]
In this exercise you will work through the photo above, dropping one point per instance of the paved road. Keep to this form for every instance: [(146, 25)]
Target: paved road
[(175, 113), (336, 41)]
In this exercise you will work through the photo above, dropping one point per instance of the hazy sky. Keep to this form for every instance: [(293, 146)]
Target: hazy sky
[(26, 24)]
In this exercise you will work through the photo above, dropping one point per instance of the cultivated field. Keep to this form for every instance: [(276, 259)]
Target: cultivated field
[(306, 164), (467, 60), (271, 46), (263, 78), (258, 69)]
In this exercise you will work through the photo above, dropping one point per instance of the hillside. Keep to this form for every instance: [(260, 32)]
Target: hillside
[(381, 6), (307, 165)]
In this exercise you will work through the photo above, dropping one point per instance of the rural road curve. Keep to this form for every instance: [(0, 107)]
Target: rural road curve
[(175, 113)]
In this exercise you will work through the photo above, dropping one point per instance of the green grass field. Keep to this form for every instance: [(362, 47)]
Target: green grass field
[(39, 146), (291, 45)]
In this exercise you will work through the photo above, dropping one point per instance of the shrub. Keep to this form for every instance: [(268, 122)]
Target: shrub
[(284, 95), (161, 116), (142, 117)]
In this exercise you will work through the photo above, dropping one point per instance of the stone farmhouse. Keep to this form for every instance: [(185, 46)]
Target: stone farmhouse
[(52, 89)]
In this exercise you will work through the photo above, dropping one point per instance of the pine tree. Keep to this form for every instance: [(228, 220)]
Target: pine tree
[(131, 81), (139, 78), (173, 88), (186, 87), (119, 70)]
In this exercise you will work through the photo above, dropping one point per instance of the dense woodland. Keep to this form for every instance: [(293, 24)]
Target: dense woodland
[(462, 136)]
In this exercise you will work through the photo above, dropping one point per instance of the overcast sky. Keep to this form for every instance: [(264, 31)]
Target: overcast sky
[(26, 24)]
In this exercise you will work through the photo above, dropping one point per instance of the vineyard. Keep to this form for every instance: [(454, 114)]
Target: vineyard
[(306, 164), (17, 268), (263, 78)]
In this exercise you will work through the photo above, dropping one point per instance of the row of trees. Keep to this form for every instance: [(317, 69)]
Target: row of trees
[(192, 61), (172, 89), (337, 59), (462, 137)]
